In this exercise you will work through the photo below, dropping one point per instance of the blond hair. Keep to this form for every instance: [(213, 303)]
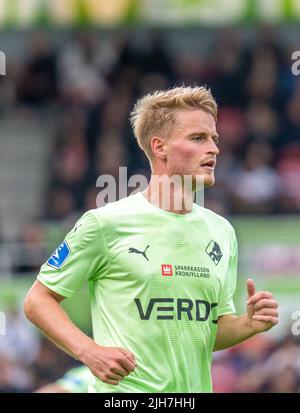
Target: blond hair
[(154, 114)]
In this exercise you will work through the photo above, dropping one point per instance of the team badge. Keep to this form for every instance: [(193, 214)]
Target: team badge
[(213, 250)]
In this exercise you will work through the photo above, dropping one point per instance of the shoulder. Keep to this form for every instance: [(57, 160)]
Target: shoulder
[(216, 220), (94, 221), (116, 210)]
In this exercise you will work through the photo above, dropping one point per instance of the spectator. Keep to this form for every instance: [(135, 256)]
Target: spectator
[(38, 79), (255, 185), (31, 249)]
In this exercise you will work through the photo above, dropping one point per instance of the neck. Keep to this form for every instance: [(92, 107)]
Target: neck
[(164, 193)]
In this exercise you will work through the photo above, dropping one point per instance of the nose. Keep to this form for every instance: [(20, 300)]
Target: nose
[(212, 147)]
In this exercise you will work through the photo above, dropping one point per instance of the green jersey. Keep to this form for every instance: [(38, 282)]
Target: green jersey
[(158, 282), (76, 380)]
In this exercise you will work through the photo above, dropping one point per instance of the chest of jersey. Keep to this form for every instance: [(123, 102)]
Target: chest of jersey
[(173, 271)]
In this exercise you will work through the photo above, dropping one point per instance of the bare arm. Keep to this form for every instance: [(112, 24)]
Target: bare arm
[(42, 307), (262, 314), (232, 330)]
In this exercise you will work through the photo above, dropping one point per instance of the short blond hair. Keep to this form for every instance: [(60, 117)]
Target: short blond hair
[(154, 114)]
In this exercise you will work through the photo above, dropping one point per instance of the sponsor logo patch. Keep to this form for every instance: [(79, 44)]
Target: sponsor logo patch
[(166, 270), (59, 256)]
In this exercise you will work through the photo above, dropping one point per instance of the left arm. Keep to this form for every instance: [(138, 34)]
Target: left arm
[(262, 314)]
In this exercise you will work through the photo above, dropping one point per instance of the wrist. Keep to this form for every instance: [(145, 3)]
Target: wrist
[(83, 349), (248, 322)]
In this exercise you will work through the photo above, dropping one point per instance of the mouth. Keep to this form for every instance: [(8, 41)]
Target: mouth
[(210, 165)]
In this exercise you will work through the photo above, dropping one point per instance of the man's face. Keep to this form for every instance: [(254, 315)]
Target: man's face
[(192, 146)]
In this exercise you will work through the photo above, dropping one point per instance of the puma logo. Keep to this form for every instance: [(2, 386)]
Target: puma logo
[(135, 251)]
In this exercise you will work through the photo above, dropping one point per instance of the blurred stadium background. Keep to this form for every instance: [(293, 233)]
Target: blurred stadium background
[(73, 71)]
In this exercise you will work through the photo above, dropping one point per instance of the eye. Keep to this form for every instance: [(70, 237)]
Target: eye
[(216, 140), (198, 138)]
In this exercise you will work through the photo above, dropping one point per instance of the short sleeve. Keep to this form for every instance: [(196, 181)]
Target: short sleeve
[(226, 305), (80, 258)]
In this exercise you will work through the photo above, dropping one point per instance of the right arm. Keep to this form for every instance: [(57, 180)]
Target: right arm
[(42, 307)]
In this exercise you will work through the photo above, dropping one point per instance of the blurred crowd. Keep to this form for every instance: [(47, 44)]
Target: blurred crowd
[(94, 79), (27, 359), (90, 81), (259, 365)]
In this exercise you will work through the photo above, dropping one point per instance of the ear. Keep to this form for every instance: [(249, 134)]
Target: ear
[(159, 147)]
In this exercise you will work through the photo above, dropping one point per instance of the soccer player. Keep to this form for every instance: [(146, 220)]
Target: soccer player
[(161, 279), (75, 380)]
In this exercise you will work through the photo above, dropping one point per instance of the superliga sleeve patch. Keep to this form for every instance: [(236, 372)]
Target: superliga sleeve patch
[(59, 256)]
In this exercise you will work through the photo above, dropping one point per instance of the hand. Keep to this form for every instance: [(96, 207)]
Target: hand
[(109, 364), (261, 309)]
